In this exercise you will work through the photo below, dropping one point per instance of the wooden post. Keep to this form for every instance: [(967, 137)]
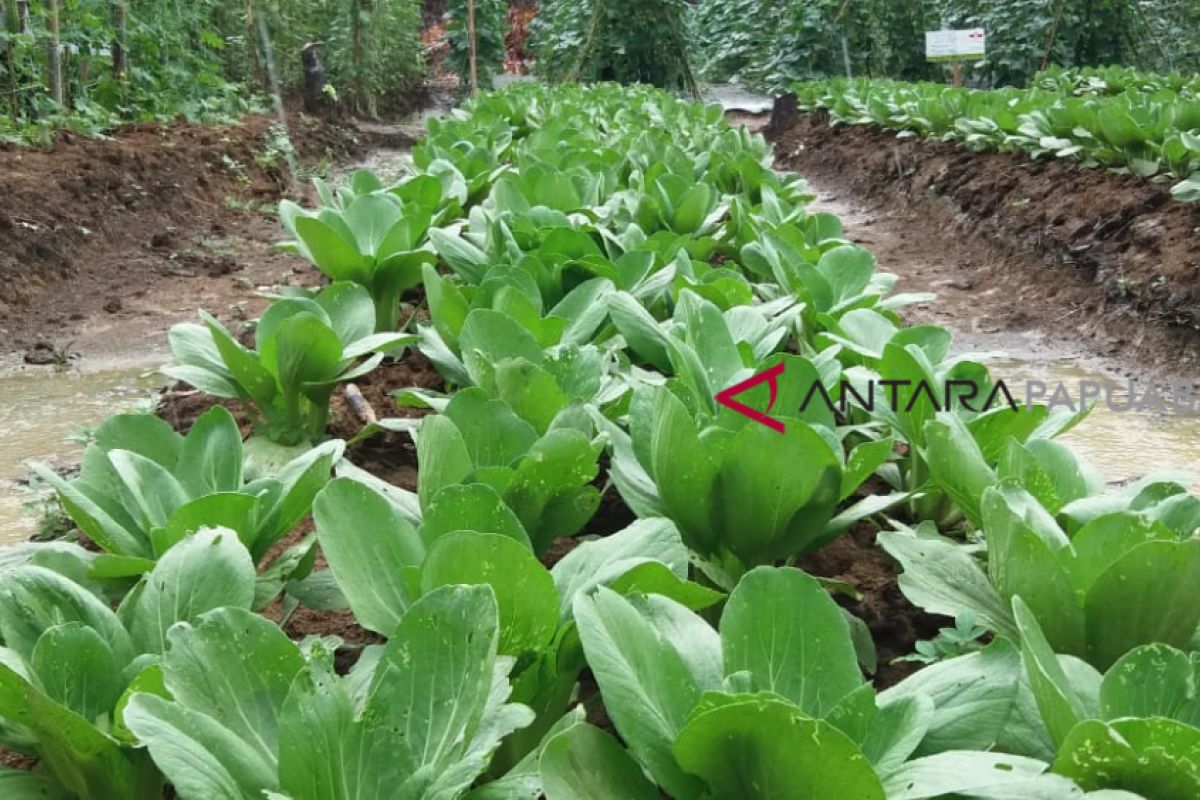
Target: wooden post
[(10, 20), (252, 47), (356, 54), (119, 19), (956, 78), (471, 46), (316, 101), (54, 54)]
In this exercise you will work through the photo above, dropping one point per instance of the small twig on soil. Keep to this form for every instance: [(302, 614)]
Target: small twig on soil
[(359, 405)]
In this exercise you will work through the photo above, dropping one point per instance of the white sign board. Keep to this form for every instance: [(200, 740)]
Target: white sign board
[(955, 45)]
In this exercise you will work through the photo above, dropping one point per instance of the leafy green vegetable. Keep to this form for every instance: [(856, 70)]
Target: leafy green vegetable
[(304, 348), (545, 479), (69, 662), (143, 488), (374, 240), (726, 714), (421, 719)]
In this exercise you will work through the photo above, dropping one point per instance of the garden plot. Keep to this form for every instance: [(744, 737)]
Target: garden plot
[(557, 565)]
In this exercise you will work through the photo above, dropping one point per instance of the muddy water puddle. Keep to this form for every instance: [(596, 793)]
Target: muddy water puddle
[(43, 415), (1122, 443), (1129, 433)]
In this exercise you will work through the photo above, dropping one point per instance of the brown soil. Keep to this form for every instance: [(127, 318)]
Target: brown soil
[(1079, 257), (895, 623), (11, 760), (105, 243)]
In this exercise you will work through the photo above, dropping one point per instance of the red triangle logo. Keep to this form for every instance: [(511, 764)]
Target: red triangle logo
[(770, 377)]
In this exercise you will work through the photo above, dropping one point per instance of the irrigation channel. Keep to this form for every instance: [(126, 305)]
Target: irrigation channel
[(46, 409)]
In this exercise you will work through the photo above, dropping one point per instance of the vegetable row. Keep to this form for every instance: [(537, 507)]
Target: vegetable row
[(1150, 128), (597, 263)]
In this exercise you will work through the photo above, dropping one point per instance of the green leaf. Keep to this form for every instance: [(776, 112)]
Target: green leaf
[(759, 748), (463, 257), (470, 507), (208, 570), (1155, 758), (783, 628), (370, 549), (1148, 595), (1058, 700), (75, 667), (233, 667), (525, 593), (33, 599), (233, 510), (442, 455), (330, 252), (211, 455), (155, 492), (648, 688), (973, 695), (551, 489), (18, 784), (94, 519), (435, 681), (494, 436), (371, 218), (1153, 680), (941, 577), (202, 759), (979, 775), (957, 464), (585, 763), (144, 434)]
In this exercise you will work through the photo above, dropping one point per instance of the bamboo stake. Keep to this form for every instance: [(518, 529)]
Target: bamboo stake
[(471, 47), (119, 17), (252, 47), (54, 54), (11, 26), (356, 55)]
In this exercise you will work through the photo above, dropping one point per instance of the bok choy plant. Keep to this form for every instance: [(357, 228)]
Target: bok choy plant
[(384, 563), (773, 705), (304, 347), (374, 240), (545, 479), (1135, 729), (143, 488), (69, 665), (741, 493), (421, 720), (1124, 578)]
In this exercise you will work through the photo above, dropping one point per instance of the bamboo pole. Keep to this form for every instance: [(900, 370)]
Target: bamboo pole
[(356, 55), (54, 54), (10, 18), (472, 47), (119, 23), (252, 47)]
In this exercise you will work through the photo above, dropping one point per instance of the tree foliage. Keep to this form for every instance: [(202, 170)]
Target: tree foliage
[(631, 41), (202, 59), (770, 44), (490, 22)]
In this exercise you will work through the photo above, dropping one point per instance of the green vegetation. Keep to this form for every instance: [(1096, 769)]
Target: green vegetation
[(599, 262), (1120, 119), (206, 60), (303, 348), (631, 41), (490, 23), (770, 45)]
